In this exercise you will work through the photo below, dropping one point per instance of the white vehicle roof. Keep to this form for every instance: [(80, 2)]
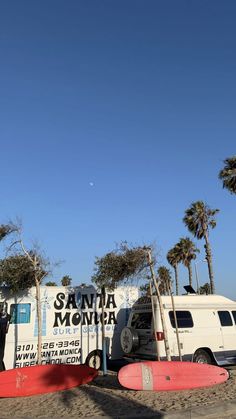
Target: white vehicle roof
[(189, 301)]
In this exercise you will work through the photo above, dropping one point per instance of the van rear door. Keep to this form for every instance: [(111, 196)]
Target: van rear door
[(142, 322)]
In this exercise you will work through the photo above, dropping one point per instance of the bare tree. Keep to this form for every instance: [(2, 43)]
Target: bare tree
[(153, 275), (124, 264), (6, 229), (24, 269)]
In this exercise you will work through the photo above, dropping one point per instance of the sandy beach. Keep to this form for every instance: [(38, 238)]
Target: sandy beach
[(105, 397)]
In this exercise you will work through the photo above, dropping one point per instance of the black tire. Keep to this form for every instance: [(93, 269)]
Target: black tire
[(94, 359), (202, 357)]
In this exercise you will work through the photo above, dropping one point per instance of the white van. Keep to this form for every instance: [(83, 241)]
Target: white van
[(71, 324), (206, 326)]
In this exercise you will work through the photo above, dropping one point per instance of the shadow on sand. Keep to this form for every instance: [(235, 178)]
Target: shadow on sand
[(131, 408), (109, 404)]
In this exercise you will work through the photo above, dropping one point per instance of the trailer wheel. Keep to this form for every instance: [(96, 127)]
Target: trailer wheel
[(94, 359), (202, 357)]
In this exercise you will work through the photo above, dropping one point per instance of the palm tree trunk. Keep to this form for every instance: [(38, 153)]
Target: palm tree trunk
[(166, 289), (176, 280), (190, 275), (209, 263)]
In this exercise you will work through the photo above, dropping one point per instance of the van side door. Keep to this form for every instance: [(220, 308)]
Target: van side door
[(228, 330), (185, 326)]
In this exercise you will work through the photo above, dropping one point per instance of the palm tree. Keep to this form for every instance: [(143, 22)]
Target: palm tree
[(205, 289), (188, 252), (173, 258), (164, 277), (228, 174), (198, 219), (66, 281)]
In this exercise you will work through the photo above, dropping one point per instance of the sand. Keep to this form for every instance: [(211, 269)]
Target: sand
[(105, 397)]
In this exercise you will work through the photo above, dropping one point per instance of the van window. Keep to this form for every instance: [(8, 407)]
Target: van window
[(234, 316), (20, 313), (141, 321), (225, 318), (184, 319)]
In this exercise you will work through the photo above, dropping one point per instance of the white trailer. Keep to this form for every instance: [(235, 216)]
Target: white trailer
[(71, 324), (206, 327)]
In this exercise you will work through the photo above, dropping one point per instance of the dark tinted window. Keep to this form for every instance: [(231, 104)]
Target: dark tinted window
[(141, 321), (234, 316), (225, 318), (184, 319)]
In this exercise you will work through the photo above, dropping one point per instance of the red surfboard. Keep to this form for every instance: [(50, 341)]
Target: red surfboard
[(40, 379), (170, 375)]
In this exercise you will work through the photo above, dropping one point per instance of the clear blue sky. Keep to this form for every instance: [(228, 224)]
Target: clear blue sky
[(137, 98)]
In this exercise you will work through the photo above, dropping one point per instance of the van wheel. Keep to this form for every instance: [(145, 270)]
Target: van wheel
[(202, 357), (94, 359)]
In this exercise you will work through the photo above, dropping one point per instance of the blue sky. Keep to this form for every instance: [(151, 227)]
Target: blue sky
[(137, 98)]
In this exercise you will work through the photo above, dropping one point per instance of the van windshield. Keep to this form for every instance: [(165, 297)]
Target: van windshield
[(141, 321)]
